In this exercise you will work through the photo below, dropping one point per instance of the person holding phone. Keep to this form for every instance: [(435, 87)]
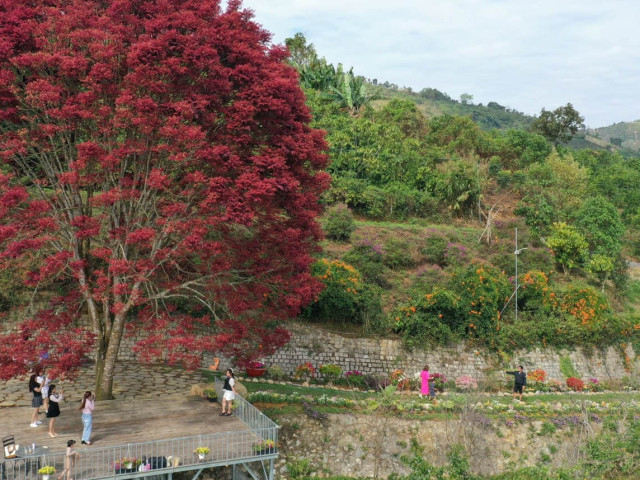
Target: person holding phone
[(87, 406), (54, 409)]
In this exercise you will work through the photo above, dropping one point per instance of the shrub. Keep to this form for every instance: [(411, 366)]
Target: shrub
[(439, 381), (345, 296), (503, 178), (299, 469), (427, 276), (341, 285), (366, 255), (455, 254), (534, 292), (355, 379), (396, 376), (276, 372), (305, 370), (435, 248), (340, 224), (397, 254), (593, 385), (537, 212), (466, 383), (575, 384), (538, 376), (483, 291), (376, 382), (590, 314), (432, 318), (468, 307), (330, 371), (495, 166)]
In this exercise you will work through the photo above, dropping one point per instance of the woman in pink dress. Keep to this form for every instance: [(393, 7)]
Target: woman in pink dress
[(424, 375)]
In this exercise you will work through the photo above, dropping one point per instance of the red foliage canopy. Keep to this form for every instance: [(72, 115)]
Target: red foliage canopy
[(157, 153)]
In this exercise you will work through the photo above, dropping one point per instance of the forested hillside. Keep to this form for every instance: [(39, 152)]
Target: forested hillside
[(423, 208)]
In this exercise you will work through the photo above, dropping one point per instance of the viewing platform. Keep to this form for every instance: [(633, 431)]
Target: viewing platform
[(163, 430)]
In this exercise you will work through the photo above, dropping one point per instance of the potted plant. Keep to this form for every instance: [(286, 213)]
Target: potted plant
[(202, 451), (127, 464), (265, 447), (210, 394), (256, 369), (46, 471)]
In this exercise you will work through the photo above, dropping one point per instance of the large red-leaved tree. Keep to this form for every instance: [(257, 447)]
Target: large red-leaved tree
[(159, 175)]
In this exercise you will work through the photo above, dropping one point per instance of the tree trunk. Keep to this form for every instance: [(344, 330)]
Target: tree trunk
[(106, 359)]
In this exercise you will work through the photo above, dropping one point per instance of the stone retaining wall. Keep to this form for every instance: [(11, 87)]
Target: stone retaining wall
[(371, 445), (382, 355)]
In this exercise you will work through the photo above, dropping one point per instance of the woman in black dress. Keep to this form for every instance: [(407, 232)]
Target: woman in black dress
[(54, 408)]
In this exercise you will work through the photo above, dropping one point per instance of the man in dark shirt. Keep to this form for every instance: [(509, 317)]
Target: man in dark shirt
[(520, 381)]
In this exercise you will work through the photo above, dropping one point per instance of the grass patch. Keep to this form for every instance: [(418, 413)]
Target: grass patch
[(289, 389)]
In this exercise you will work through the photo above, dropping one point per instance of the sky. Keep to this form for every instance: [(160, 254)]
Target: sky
[(526, 55)]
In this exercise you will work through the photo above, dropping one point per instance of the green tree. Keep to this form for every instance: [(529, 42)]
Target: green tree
[(560, 125), (466, 99), (569, 247), (457, 135), (601, 266), (538, 213), (561, 180), (527, 147), (301, 53), (601, 225), (405, 115)]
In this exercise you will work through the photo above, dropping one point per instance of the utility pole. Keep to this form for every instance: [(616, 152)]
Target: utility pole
[(516, 253)]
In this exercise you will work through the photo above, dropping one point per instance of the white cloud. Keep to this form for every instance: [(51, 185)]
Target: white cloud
[(523, 54)]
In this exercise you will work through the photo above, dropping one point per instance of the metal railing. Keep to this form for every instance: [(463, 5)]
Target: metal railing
[(157, 457), (248, 414)]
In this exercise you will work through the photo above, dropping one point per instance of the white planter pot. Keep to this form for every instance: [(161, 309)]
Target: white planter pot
[(201, 456)]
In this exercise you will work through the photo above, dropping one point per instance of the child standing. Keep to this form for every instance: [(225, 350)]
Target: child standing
[(69, 460)]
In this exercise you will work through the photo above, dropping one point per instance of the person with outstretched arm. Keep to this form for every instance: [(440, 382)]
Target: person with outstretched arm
[(520, 381)]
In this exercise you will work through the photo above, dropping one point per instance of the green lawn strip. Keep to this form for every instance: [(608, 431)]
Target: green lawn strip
[(290, 389)]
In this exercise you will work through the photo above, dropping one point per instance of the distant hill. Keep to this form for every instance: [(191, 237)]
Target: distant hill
[(624, 134), (432, 103)]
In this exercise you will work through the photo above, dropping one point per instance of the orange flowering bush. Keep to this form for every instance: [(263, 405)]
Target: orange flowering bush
[(538, 376), (586, 305), (467, 308), (345, 296), (483, 292), (535, 291)]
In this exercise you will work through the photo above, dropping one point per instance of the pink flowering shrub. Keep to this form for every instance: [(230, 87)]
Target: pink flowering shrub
[(466, 383)]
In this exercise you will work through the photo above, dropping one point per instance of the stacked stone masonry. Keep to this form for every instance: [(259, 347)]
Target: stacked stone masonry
[(382, 355)]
